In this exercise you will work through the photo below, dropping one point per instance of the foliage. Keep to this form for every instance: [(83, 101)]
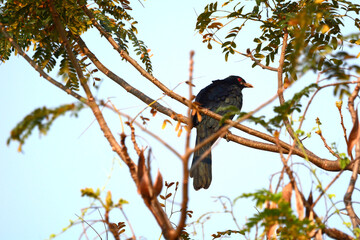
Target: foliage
[(314, 29), (42, 118), (226, 233), (30, 24), (289, 225)]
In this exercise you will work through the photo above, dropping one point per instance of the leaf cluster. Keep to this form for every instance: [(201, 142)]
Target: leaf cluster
[(123, 27), (226, 233), (41, 118), (314, 29), (30, 24), (290, 226)]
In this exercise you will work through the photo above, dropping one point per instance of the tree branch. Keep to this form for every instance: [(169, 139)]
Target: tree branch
[(280, 84), (149, 101), (186, 156), (348, 195)]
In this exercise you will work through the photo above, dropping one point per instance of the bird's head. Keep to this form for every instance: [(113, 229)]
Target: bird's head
[(240, 81)]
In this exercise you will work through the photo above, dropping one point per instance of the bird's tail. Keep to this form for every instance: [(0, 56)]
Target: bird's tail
[(201, 171)]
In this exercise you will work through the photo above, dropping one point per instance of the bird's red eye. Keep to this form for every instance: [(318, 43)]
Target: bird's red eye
[(240, 80)]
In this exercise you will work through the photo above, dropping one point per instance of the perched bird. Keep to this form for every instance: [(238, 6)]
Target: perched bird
[(220, 93)]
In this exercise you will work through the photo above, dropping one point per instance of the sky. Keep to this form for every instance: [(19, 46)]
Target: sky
[(41, 186)]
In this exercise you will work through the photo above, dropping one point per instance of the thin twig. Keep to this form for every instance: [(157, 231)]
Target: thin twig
[(89, 225), (186, 156), (319, 132), (128, 223), (103, 221), (326, 188)]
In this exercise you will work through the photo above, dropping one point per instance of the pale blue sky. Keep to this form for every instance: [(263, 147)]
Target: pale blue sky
[(41, 187)]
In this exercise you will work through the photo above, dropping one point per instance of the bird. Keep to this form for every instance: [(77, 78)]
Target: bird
[(220, 93)]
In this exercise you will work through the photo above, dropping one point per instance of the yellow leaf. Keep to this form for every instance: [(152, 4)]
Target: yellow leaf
[(164, 123), (357, 56), (319, 1), (177, 126), (19, 148), (325, 28), (276, 134), (108, 200), (179, 132), (198, 116)]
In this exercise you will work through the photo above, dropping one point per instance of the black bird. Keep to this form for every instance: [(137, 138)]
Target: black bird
[(220, 93)]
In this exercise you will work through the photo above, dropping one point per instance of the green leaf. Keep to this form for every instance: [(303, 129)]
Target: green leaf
[(258, 55), (344, 161), (89, 192), (41, 118)]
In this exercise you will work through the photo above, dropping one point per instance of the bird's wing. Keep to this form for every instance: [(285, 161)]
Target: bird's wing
[(215, 96)]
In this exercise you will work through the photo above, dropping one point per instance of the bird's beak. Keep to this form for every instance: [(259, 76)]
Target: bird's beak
[(248, 85)]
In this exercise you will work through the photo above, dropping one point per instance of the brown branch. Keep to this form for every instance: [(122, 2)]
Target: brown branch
[(185, 158), (133, 140), (336, 234), (280, 84), (326, 188), (140, 95), (348, 195), (342, 124), (61, 30)]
